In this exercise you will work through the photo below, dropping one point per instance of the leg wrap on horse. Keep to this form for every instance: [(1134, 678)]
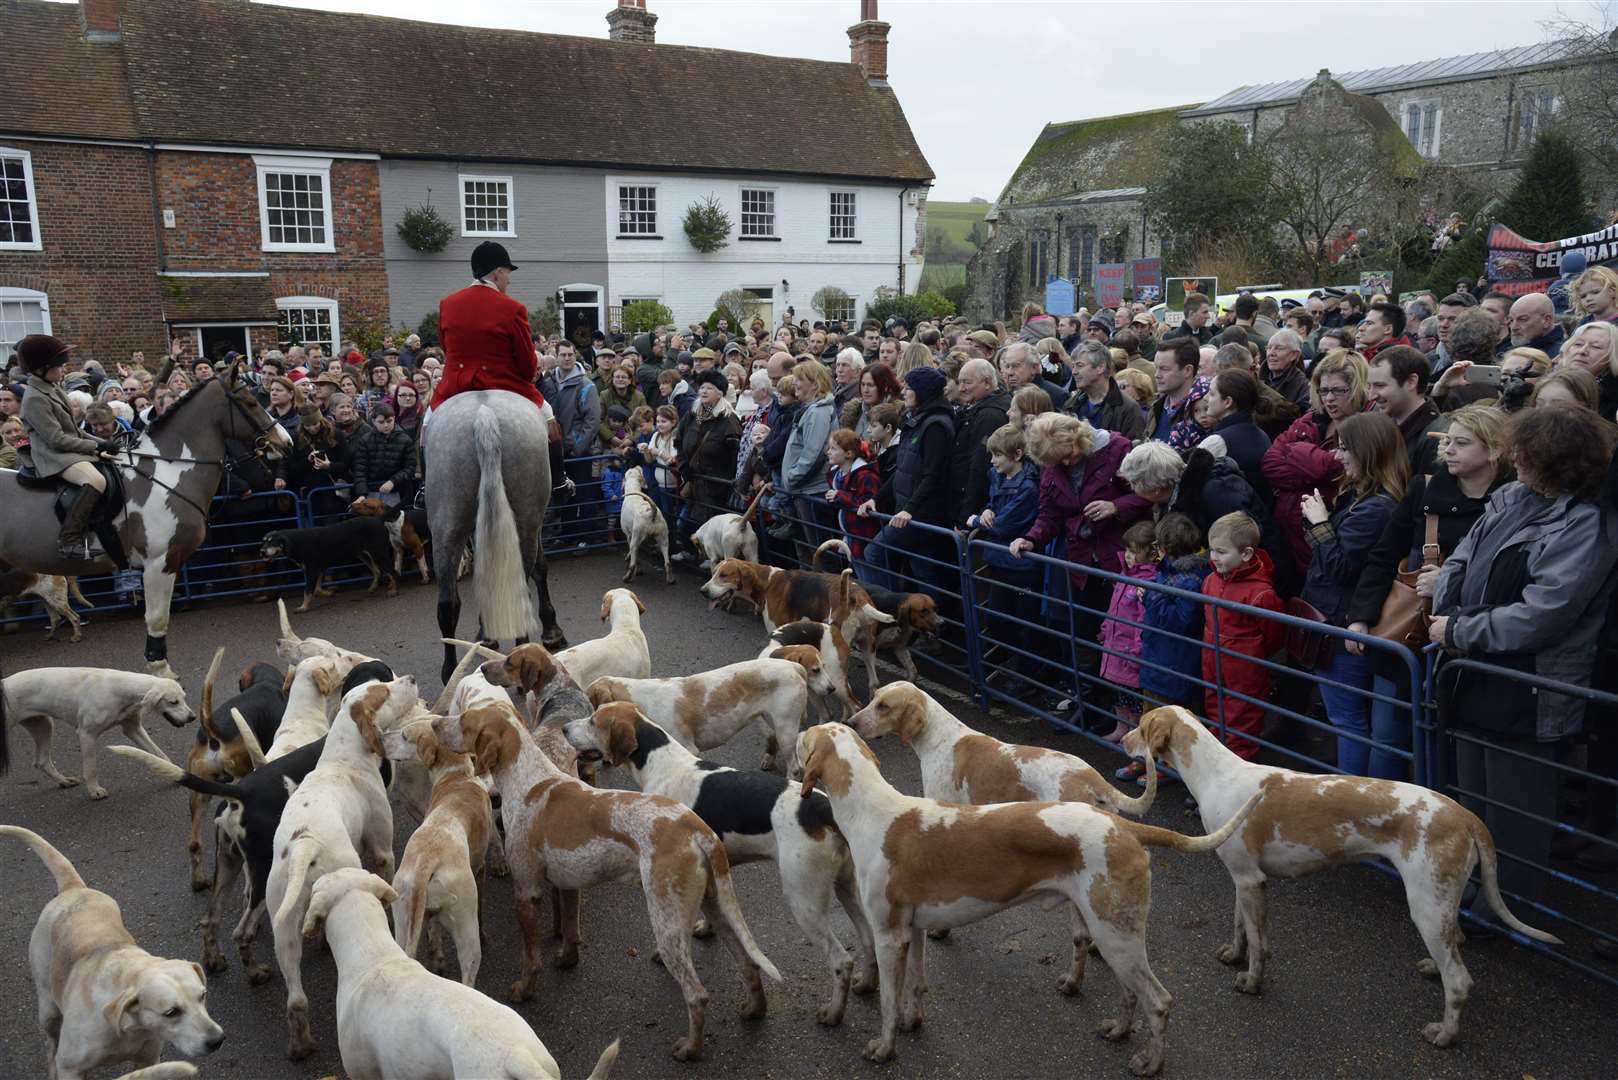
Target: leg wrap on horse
[(157, 648)]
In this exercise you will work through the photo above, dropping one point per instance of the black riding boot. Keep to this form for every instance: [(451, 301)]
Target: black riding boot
[(74, 544)]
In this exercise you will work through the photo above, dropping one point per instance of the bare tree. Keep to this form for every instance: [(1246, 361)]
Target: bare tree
[(1588, 86), (1319, 182)]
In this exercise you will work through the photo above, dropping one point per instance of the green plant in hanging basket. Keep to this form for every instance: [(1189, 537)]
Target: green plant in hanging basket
[(425, 230), (707, 225)]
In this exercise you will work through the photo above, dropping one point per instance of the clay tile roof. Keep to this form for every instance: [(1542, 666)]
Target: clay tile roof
[(217, 299), (54, 82), (240, 74)]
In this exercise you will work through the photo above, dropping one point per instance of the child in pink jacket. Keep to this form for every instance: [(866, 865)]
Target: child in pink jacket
[(1122, 638)]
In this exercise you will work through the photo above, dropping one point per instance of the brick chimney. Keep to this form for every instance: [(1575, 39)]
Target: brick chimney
[(100, 19), (630, 21), (868, 43)]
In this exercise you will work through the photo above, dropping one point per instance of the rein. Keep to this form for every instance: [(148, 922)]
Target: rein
[(227, 464)]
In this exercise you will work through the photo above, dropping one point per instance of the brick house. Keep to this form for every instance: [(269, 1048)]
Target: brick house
[(164, 173)]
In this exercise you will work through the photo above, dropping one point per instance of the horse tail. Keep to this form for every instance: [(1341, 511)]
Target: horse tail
[(504, 605)]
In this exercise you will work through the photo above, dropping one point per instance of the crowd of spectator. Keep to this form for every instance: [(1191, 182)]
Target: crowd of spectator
[(1313, 457)]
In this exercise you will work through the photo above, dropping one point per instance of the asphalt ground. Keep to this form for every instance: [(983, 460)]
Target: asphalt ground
[(1342, 997)]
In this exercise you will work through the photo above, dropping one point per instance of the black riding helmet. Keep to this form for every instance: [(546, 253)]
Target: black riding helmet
[(38, 353)]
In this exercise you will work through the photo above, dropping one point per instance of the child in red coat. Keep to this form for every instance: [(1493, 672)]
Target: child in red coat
[(1243, 574), (852, 481)]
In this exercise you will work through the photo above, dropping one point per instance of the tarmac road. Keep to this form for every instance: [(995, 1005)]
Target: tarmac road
[(1342, 996)]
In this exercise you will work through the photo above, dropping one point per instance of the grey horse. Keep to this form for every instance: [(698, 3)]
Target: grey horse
[(170, 477), (489, 481)]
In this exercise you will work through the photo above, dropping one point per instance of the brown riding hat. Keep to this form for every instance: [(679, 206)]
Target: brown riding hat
[(38, 353)]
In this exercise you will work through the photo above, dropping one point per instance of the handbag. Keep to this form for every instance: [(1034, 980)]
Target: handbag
[(1307, 647), (1404, 616)]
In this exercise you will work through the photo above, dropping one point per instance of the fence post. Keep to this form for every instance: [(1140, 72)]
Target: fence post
[(969, 622)]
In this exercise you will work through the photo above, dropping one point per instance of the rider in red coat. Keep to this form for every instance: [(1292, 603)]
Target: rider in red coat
[(488, 344)]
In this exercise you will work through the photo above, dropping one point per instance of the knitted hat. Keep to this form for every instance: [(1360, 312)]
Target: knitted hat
[(927, 382)]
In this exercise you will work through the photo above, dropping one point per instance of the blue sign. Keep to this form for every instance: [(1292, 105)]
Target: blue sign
[(1059, 296)]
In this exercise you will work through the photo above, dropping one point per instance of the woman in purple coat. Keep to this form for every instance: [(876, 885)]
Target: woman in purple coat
[(1082, 497)]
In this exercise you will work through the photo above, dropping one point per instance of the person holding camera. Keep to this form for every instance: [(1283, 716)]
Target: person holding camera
[(1439, 509)]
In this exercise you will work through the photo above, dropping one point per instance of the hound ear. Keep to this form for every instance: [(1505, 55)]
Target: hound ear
[(364, 714), (320, 905), (120, 1011), (488, 744), (621, 740), (379, 889), (811, 764), (534, 669), (1155, 729), (326, 679), (638, 605), (428, 749), (600, 692)]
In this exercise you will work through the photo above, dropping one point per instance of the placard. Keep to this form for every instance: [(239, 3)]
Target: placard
[(1059, 296), (1147, 278), (1376, 281), (1176, 290), (1111, 280)]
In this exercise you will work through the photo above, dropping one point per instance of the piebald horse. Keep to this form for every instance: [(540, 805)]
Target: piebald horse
[(489, 480), (170, 478)]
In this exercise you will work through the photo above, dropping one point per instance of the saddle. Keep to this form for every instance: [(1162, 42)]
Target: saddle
[(107, 510)]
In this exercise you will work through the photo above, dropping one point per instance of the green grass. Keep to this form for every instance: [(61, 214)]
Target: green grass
[(936, 277), (954, 219)]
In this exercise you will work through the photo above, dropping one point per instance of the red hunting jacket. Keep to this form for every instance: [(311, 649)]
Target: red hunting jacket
[(487, 345)]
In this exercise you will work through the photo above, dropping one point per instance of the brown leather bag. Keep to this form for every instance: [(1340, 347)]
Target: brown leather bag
[(1405, 614)]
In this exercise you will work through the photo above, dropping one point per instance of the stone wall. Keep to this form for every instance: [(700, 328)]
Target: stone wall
[(997, 278)]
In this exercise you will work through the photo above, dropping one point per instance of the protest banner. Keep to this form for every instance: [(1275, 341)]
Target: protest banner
[(1376, 281), (1517, 265)]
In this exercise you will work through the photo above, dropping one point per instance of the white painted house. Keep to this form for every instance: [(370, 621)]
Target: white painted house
[(789, 238)]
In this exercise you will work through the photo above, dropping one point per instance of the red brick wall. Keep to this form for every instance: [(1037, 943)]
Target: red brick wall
[(99, 263), (215, 202)]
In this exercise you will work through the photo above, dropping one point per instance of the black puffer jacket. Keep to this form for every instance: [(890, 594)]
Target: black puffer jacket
[(969, 458), (380, 458)]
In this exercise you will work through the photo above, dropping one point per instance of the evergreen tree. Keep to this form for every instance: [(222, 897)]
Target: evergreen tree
[(1549, 201)]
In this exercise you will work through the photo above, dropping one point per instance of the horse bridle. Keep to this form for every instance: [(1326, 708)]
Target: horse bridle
[(261, 443)]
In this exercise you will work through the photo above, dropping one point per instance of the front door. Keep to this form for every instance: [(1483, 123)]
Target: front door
[(581, 312), (214, 341)]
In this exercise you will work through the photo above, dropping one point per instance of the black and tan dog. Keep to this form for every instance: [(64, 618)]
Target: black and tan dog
[(408, 531), (914, 615), (321, 547), (220, 754)]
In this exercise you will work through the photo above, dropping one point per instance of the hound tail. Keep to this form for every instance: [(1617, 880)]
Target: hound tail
[(286, 623), (1488, 865), (725, 894), (1152, 836), (501, 582), (409, 911), (475, 651), (62, 870), (763, 490), (250, 743), (1139, 804), (833, 544), (172, 772), (302, 853), (163, 1070), (205, 716), (604, 1062)]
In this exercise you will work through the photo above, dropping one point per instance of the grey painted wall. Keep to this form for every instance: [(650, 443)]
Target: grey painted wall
[(560, 239)]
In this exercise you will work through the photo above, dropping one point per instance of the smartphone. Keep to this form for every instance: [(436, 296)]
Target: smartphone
[(1485, 374)]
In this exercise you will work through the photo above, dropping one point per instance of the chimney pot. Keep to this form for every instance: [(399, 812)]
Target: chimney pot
[(868, 43), (100, 19), (630, 21)]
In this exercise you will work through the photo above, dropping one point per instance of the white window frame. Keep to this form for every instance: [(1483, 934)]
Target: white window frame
[(853, 236), (1438, 124), (741, 214), (320, 167), (27, 296), (283, 303), (657, 198), (33, 201), (511, 204)]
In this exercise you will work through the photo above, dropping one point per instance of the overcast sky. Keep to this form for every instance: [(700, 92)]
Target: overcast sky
[(979, 78)]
